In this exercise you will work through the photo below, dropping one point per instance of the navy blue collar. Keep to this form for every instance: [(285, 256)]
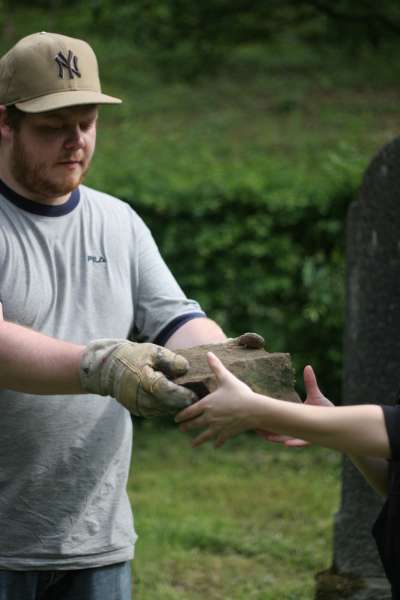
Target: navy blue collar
[(40, 209)]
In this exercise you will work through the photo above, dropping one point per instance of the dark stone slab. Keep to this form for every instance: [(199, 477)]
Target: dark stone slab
[(372, 358)]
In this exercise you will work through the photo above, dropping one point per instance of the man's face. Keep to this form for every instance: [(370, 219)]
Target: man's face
[(50, 153)]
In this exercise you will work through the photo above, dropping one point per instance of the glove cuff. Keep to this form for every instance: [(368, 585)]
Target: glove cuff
[(95, 366)]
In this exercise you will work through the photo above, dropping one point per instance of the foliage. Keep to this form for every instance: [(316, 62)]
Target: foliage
[(187, 39), (261, 257)]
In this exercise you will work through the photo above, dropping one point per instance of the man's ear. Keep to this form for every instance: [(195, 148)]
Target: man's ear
[(5, 128)]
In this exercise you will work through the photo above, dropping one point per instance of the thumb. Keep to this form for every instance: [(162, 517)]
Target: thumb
[(216, 366), (311, 384), (171, 364)]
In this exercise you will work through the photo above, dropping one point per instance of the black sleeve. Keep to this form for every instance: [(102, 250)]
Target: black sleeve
[(392, 421)]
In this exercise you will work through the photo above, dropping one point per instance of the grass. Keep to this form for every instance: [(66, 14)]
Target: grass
[(249, 521)]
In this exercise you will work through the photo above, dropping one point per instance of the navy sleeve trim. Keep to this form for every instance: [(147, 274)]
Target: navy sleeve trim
[(167, 332), (392, 421)]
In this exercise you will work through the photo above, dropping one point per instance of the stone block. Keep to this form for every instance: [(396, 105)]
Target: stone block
[(269, 373)]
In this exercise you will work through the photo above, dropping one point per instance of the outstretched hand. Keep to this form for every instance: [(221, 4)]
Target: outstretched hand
[(222, 414), (314, 397)]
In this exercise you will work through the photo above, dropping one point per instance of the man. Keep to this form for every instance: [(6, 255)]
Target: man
[(79, 275)]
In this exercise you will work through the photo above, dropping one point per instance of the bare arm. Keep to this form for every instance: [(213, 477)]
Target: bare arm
[(35, 363), (196, 332), (356, 430), (351, 429), (139, 376), (359, 431), (374, 470)]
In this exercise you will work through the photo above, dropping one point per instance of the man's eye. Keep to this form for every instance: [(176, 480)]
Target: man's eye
[(87, 125), (51, 127)]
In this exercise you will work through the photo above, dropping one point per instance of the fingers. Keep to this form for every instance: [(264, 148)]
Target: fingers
[(296, 443), (203, 437), (220, 441), (314, 394), (216, 366), (286, 440), (189, 413), (161, 396), (273, 437), (171, 364), (310, 382), (198, 423)]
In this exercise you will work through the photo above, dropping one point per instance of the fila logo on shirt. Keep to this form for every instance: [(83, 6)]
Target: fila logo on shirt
[(96, 259)]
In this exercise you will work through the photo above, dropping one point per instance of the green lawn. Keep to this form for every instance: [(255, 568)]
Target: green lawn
[(250, 521)]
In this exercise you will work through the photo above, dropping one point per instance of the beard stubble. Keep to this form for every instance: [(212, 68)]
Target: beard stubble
[(35, 177)]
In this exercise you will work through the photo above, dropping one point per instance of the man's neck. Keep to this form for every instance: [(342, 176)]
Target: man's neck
[(7, 178), (19, 189)]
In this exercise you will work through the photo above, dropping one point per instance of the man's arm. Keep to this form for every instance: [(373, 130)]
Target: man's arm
[(35, 363), (136, 375), (196, 332)]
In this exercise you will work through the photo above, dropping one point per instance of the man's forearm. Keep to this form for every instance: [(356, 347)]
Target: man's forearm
[(35, 363)]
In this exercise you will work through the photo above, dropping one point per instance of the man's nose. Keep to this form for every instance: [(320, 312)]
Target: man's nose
[(75, 138)]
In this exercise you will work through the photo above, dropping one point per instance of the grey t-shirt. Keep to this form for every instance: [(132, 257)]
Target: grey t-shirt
[(87, 269)]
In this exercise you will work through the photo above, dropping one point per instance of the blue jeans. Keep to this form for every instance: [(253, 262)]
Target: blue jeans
[(104, 583)]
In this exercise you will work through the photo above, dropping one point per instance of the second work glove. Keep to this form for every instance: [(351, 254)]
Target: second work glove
[(137, 375)]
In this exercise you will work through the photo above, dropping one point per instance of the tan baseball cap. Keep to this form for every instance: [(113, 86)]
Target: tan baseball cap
[(46, 71)]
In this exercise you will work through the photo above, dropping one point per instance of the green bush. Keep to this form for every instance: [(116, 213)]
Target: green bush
[(261, 255)]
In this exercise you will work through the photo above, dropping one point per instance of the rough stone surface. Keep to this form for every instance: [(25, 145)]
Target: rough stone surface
[(371, 353), (266, 373)]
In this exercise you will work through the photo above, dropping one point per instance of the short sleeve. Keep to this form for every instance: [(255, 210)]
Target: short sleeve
[(392, 421), (160, 303)]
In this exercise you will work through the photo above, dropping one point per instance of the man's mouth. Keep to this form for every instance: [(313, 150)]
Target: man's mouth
[(70, 161)]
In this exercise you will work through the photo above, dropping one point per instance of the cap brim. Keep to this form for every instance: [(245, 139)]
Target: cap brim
[(65, 99)]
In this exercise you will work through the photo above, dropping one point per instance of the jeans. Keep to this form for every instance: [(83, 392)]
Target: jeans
[(103, 583)]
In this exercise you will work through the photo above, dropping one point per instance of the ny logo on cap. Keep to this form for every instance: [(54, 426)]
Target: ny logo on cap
[(70, 64)]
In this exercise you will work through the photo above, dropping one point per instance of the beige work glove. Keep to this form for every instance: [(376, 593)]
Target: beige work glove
[(137, 375)]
